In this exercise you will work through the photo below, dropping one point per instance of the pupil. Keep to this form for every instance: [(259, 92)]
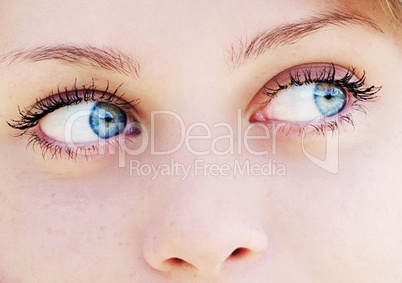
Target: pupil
[(108, 119)]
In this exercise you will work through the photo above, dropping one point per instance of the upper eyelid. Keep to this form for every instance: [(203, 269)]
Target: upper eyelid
[(330, 73), (30, 117), (92, 93)]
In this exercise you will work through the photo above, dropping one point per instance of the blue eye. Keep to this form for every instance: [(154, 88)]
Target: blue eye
[(107, 120), (87, 122), (330, 100), (306, 102), (81, 122)]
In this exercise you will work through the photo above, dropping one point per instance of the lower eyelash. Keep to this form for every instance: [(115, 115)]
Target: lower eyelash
[(322, 128), (55, 151)]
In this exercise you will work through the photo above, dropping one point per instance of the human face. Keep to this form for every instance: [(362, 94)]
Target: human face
[(104, 219)]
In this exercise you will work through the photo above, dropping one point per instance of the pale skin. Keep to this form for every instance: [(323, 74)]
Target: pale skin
[(91, 221)]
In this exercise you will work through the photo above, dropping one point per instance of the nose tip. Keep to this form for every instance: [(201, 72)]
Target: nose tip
[(203, 249)]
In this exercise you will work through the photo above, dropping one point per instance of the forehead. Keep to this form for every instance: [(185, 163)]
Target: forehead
[(146, 25)]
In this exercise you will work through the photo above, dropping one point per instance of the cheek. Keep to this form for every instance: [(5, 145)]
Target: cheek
[(66, 221), (336, 223)]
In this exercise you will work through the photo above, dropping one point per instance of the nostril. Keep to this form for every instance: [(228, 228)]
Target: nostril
[(178, 262), (239, 252)]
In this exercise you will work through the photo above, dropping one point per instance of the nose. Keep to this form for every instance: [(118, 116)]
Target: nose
[(202, 241)]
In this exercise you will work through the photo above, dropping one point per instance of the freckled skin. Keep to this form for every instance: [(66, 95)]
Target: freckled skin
[(91, 220)]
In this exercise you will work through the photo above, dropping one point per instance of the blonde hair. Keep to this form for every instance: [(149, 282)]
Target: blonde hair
[(393, 8)]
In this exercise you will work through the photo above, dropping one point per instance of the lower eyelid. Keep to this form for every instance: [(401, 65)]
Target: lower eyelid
[(295, 129), (54, 149)]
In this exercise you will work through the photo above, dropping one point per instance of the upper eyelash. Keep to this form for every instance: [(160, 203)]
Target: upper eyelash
[(356, 88), (29, 118)]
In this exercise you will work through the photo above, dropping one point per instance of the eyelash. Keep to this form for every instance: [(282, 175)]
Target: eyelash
[(30, 118), (356, 88)]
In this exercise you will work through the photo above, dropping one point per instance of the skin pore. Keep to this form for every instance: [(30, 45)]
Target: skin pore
[(95, 220)]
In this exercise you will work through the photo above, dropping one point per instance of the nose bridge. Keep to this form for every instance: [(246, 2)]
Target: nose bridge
[(197, 126), (201, 234)]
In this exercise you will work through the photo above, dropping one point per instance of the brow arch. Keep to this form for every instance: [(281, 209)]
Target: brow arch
[(288, 34), (87, 56)]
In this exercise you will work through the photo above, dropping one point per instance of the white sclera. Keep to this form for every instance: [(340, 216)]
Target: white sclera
[(295, 103), (70, 124)]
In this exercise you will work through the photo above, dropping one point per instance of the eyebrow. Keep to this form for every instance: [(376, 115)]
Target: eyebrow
[(289, 34), (87, 56)]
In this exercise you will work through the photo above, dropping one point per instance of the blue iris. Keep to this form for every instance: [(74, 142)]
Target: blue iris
[(107, 120), (329, 99)]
